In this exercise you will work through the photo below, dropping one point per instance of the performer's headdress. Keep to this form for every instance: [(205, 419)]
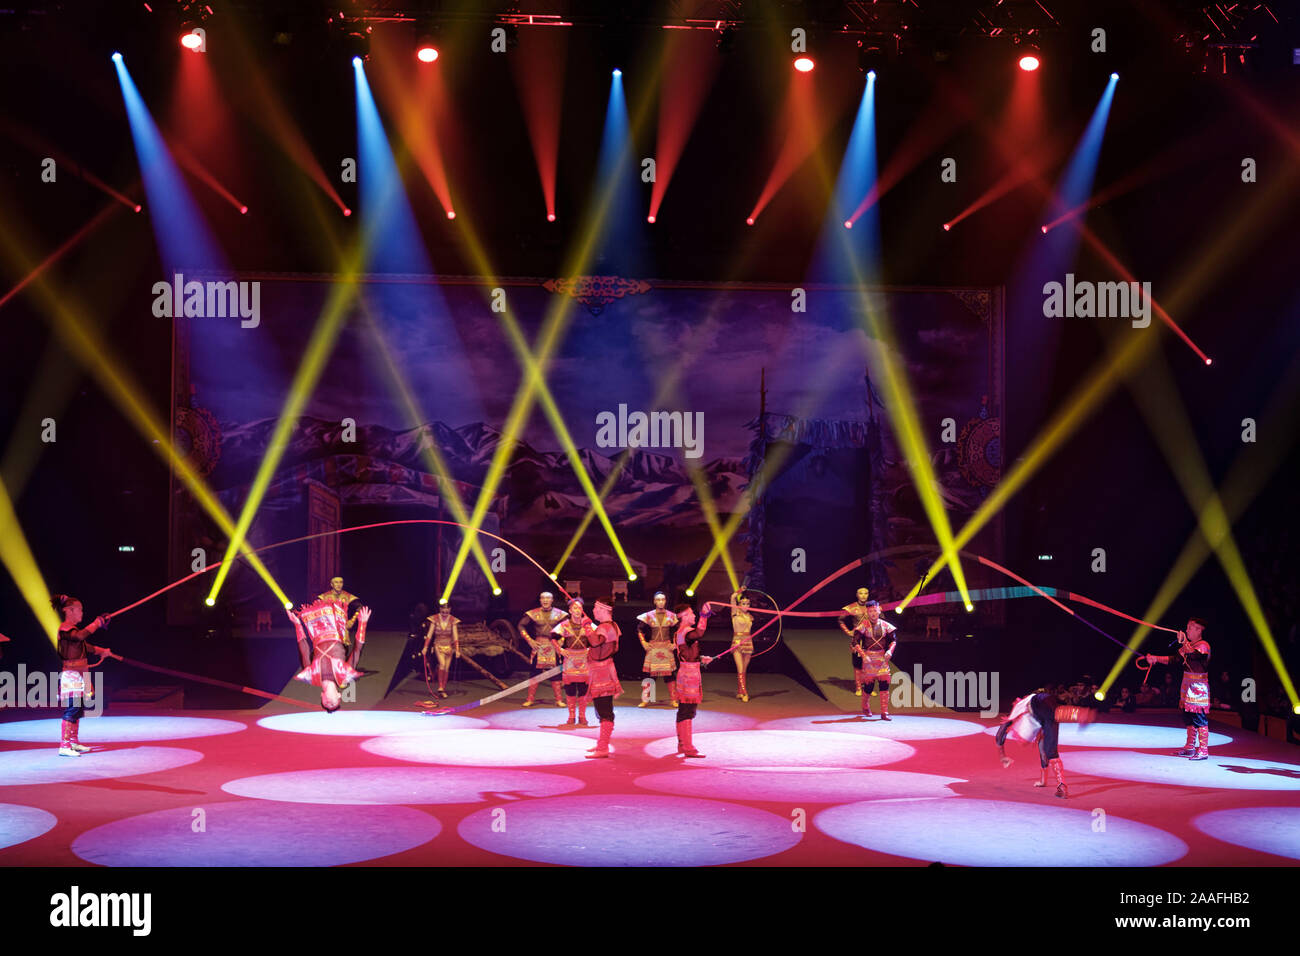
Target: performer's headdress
[(547, 594), (600, 606), (683, 607), (661, 594), (61, 601), (872, 603), (576, 600)]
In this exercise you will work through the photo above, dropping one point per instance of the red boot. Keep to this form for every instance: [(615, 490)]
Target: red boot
[(582, 711), (74, 740), (673, 691), (742, 692), (442, 682), (570, 722), (685, 745), (884, 704), (1189, 748), (602, 745), (557, 687), (866, 703), (532, 694), (1202, 744), (1062, 790), (65, 743)]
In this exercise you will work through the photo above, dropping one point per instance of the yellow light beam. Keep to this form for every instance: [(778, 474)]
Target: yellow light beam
[(431, 453), (95, 355), (1217, 254), (552, 329), (711, 518), (21, 565)]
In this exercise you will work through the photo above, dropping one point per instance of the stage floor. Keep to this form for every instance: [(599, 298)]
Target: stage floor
[(787, 781)]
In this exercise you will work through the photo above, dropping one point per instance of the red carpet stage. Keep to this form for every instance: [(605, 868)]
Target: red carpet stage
[(787, 781)]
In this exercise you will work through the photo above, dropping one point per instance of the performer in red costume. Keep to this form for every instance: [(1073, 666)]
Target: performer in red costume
[(536, 627), (1038, 716), (326, 661), (690, 683), (742, 644), (1194, 695), (573, 637), (655, 630), (444, 632), (853, 615), (75, 689), (604, 685), (874, 642), (345, 598)]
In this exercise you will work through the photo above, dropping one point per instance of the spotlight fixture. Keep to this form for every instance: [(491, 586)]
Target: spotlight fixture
[(356, 46), (425, 51), (871, 56), (726, 37), (804, 64), (1029, 63), (192, 37)]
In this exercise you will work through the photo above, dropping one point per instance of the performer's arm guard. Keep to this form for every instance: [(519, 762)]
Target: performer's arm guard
[(1075, 715), (845, 627)]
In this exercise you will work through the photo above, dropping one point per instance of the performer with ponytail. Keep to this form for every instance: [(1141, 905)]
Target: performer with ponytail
[(573, 638), (75, 688), (604, 685), (445, 635), (1194, 694), (854, 614), (536, 626), (742, 644), (1038, 717), (327, 662), (690, 683)]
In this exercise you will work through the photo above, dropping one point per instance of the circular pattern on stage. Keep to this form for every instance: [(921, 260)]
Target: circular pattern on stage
[(1267, 829), (20, 768), (789, 748), (383, 786), (628, 721), (483, 748), (115, 730), (1226, 773), (971, 832), (629, 829), (821, 785), (366, 723), (1132, 736), (18, 824), (898, 727), (256, 833)]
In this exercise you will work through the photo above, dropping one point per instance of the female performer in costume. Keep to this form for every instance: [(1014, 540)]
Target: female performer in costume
[(445, 635), (854, 614), (655, 630), (604, 678), (742, 645), (1194, 695), (74, 687), (690, 684), (536, 626), (1037, 717), (574, 642), (326, 662)]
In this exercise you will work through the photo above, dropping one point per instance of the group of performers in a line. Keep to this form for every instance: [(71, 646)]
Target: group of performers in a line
[(584, 650)]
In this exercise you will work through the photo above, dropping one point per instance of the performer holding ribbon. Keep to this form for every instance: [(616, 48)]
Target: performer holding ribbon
[(742, 644), (445, 636), (854, 614), (1038, 716), (604, 685), (655, 630), (690, 683), (536, 627), (574, 642), (1194, 695), (75, 689), (874, 642), (326, 661)]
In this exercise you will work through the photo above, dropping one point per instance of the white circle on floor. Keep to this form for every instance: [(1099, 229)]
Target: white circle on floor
[(787, 748)]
